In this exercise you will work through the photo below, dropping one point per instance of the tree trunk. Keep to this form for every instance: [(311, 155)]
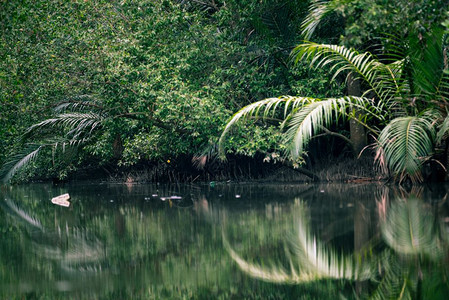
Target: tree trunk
[(357, 131)]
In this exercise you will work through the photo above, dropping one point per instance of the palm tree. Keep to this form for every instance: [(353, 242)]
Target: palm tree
[(403, 104), (77, 122)]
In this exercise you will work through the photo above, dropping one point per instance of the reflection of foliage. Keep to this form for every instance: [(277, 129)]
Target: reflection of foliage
[(309, 260), (410, 230), (406, 269), (145, 248)]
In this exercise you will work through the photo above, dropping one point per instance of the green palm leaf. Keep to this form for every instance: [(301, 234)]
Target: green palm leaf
[(310, 120), (303, 116), (428, 64), (380, 78), (74, 123), (406, 143), (318, 10), (268, 107), (79, 103), (18, 161), (443, 130)]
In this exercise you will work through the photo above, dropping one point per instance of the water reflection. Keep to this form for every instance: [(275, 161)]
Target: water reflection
[(407, 260), (156, 242)]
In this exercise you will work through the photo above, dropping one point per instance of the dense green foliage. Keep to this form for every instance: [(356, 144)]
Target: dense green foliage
[(163, 75), (404, 95), (87, 84)]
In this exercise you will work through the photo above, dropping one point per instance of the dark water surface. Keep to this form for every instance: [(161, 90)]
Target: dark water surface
[(225, 241)]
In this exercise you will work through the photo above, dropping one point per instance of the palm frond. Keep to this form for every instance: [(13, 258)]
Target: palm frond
[(18, 161), (319, 10), (268, 107), (74, 123), (25, 216), (27, 155), (380, 79), (79, 103), (443, 130), (406, 143), (209, 153), (315, 258), (310, 120), (427, 65), (271, 274)]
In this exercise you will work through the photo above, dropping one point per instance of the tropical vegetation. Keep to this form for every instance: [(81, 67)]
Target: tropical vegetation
[(122, 83), (112, 86), (402, 102)]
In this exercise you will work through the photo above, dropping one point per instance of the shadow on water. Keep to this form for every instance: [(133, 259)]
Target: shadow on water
[(223, 241)]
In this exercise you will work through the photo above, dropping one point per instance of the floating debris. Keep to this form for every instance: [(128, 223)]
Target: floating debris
[(61, 200), (238, 196), (171, 198)]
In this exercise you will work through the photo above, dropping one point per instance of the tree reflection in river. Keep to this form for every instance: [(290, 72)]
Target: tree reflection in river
[(408, 260), (156, 242)]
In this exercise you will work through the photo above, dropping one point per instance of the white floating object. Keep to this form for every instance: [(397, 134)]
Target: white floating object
[(238, 196), (62, 200), (176, 197)]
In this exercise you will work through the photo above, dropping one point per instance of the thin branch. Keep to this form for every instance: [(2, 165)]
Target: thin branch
[(155, 121), (327, 132)]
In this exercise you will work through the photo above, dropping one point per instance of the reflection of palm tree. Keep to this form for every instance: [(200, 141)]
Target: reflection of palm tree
[(309, 260), (416, 251), (81, 251)]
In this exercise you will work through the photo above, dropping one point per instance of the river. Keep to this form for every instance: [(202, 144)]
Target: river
[(224, 241)]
